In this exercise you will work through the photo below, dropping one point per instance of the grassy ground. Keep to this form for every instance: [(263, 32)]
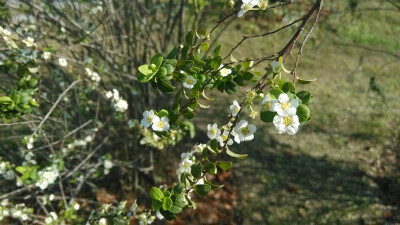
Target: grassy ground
[(327, 174)]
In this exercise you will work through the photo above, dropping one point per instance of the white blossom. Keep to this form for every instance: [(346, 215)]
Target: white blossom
[(244, 131), (224, 71), (267, 103), (148, 117), (46, 55), (247, 5), (235, 108), (213, 131), (63, 62), (287, 123), (29, 42), (160, 124), (224, 138), (47, 176), (108, 164), (189, 82), (284, 105), (121, 105)]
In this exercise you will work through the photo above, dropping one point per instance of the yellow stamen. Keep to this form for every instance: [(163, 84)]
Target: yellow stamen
[(244, 130), (189, 81), (267, 105), (285, 105), (149, 119), (160, 124), (287, 121)]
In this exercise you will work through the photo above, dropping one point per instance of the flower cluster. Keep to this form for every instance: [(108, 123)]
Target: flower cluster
[(18, 211), (47, 176), (250, 4), (6, 170), (51, 219), (95, 77), (157, 123), (120, 104), (7, 37), (243, 131)]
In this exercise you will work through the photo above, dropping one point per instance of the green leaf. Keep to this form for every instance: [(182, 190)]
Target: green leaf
[(167, 215), (216, 62), (303, 81), (267, 116), (198, 61), (224, 165), (188, 113), (248, 75), (142, 76), (33, 69), (5, 100), (217, 51), (179, 77), (235, 155), (221, 87), (173, 53), (178, 188), (288, 87), (211, 168), (304, 96), (162, 113), (157, 60), (213, 186), (275, 92), (167, 203), (162, 72), (239, 80), (196, 170), (202, 189), (214, 145), (303, 112), (165, 86), (205, 46), (185, 65), (170, 68), (189, 38), (185, 51), (156, 194), (178, 200), (230, 88), (156, 205)]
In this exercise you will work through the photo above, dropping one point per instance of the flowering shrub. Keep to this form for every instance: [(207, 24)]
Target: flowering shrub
[(186, 73)]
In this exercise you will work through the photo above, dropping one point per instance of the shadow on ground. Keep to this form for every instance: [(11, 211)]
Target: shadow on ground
[(280, 185)]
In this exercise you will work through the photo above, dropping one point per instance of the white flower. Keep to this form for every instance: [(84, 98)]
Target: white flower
[(95, 77), (132, 124), (244, 131), (235, 108), (160, 124), (47, 176), (223, 138), (109, 94), (63, 62), (189, 82), (115, 95), (247, 5), (224, 71), (287, 123), (47, 55), (108, 164), (213, 131), (148, 117), (29, 42), (76, 206), (284, 104), (121, 105), (29, 145), (51, 197), (102, 221), (267, 103), (185, 164), (88, 71), (199, 148)]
